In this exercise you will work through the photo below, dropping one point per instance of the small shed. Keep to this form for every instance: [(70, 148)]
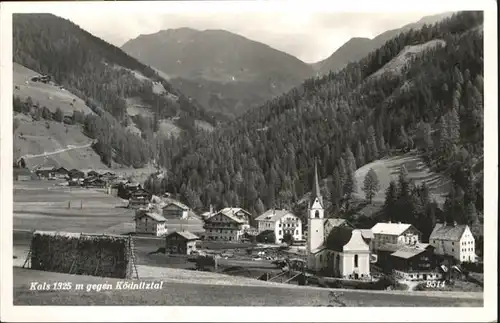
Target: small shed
[(181, 242)]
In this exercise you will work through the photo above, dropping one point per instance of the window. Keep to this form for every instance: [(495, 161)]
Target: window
[(296, 231), (453, 243), (355, 261), (316, 215), (452, 250), (279, 232)]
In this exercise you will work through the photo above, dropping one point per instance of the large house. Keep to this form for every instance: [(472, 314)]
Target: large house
[(396, 233), (344, 253), (181, 242), (455, 241), (176, 210), (148, 222), (281, 222), (139, 198), (228, 224)]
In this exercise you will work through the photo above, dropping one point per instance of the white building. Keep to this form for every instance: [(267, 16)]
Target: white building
[(344, 252), (454, 240), (229, 224), (149, 222), (281, 222), (394, 233)]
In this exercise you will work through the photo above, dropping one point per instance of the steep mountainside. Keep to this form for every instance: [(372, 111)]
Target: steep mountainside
[(357, 48), (223, 71), (431, 105), (130, 100)]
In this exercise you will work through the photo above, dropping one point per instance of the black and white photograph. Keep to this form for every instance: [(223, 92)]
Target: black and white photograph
[(277, 155)]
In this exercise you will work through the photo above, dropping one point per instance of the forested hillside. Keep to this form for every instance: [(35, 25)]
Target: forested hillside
[(432, 102), (357, 48), (105, 78)]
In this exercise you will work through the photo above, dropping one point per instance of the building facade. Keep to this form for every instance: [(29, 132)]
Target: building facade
[(455, 241), (226, 225), (175, 210), (281, 222), (181, 242), (147, 222), (395, 233)]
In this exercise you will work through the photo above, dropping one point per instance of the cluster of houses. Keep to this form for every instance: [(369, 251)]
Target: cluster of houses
[(337, 249), (334, 247), (76, 177)]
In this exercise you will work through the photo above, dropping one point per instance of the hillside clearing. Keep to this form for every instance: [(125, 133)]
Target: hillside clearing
[(388, 169), (169, 128), (48, 95), (396, 65)]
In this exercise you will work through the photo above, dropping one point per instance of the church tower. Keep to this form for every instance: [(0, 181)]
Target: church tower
[(315, 226)]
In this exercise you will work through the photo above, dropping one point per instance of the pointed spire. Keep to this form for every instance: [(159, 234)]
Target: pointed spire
[(316, 193)]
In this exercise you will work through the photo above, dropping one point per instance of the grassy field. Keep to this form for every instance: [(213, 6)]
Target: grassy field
[(42, 205), (48, 95), (182, 287), (388, 169)]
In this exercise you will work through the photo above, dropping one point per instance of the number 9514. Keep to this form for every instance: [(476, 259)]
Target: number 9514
[(435, 284)]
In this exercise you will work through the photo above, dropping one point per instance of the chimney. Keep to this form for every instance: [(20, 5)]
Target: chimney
[(454, 223), (389, 221), (211, 209)]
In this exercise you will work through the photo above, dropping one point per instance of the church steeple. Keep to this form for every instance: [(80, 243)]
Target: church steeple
[(316, 192)]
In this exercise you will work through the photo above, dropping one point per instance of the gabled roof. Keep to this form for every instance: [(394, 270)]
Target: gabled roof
[(44, 169), (407, 252), (447, 232), (390, 228), (152, 215), (178, 204), (185, 234), (228, 214), (273, 215), (367, 233), (234, 210)]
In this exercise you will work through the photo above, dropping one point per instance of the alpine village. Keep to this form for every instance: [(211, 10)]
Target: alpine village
[(215, 171)]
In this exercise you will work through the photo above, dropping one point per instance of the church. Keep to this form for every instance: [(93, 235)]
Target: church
[(344, 252)]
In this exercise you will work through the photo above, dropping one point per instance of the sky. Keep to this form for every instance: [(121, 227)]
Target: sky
[(306, 34)]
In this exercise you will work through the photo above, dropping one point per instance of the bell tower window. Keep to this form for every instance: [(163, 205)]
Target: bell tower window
[(316, 214)]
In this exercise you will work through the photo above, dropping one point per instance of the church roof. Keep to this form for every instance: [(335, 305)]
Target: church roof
[(338, 238)]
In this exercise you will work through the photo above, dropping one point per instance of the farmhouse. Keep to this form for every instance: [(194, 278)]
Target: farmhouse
[(76, 174), (22, 174), (147, 222), (139, 198), (46, 172), (344, 253), (176, 210), (181, 242), (281, 222), (399, 233), (61, 172), (227, 225), (455, 241)]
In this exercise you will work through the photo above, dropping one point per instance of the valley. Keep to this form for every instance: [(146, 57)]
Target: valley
[(203, 145)]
